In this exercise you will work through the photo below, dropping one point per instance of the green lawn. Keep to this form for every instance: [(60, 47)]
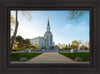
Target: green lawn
[(17, 56), (84, 56)]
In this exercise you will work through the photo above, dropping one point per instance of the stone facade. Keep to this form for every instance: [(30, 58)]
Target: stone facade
[(38, 40)]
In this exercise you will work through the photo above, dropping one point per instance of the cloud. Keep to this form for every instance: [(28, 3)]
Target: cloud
[(76, 32), (76, 29)]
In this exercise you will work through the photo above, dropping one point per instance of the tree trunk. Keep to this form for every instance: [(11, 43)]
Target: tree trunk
[(15, 32)]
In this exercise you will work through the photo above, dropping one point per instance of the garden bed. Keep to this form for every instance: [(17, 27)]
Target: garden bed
[(84, 56), (17, 56)]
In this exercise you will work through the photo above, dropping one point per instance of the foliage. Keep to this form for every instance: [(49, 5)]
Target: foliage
[(16, 26), (43, 48), (12, 20), (75, 44), (17, 56), (67, 48), (33, 47), (84, 56), (21, 43), (24, 44), (83, 47), (27, 14), (61, 46), (27, 43), (75, 14), (19, 38)]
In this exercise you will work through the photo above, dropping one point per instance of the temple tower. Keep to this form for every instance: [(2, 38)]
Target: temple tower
[(48, 36)]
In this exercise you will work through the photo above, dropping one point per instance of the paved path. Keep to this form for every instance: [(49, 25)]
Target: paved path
[(51, 57)]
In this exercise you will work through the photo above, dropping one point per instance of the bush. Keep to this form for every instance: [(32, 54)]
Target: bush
[(67, 48), (43, 48)]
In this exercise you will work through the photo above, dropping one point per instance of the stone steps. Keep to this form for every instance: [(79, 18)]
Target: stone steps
[(50, 51)]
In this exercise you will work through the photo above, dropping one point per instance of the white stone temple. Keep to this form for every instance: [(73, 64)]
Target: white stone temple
[(45, 41)]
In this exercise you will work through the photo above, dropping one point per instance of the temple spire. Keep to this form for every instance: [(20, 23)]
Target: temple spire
[(48, 17), (48, 26)]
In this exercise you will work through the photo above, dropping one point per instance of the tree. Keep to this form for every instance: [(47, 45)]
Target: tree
[(66, 46), (33, 47), (59, 46), (15, 32), (63, 46), (75, 44), (75, 14), (27, 43), (12, 20), (21, 45), (80, 43), (15, 44), (82, 47), (69, 46), (86, 43), (16, 27), (19, 38), (11, 39)]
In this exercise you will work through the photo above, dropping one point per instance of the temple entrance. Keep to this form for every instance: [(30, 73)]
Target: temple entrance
[(51, 48)]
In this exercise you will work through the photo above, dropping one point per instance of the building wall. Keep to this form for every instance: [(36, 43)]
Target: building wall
[(38, 40), (48, 36), (42, 42), (34, 41)]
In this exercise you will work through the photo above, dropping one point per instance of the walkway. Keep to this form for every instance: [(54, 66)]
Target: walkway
[(51, 57)]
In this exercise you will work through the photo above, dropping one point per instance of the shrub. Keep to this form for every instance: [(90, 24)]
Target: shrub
[(67, 48), (43, 48)]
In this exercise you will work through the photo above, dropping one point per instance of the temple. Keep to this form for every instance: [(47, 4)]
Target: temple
[(45, 41)]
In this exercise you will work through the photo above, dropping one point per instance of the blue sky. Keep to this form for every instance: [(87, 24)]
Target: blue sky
[(63, 30)]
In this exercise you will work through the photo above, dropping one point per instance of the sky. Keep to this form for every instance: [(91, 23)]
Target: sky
[(63, 30)]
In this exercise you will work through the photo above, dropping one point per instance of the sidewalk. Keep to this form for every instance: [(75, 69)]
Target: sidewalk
[(51, 57)]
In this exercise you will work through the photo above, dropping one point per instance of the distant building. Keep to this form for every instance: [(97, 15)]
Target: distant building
[(45, 41)]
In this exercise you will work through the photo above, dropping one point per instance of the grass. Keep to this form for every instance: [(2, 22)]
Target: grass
[(17, 56), (84, 56)]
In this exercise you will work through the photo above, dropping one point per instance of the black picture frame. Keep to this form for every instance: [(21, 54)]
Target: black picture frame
[(90, 9), (7, 68)]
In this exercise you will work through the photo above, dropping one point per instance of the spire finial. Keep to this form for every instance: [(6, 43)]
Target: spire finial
[(48, 17), (48, 26)]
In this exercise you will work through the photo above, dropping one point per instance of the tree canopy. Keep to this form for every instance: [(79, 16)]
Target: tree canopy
[(19, 39), (75, 44), (75, 14)]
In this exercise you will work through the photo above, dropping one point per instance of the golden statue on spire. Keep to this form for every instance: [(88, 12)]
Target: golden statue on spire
[(48, 17)]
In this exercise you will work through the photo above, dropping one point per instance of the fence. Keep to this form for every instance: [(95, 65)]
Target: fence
[(82, 50), (69, 51)]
